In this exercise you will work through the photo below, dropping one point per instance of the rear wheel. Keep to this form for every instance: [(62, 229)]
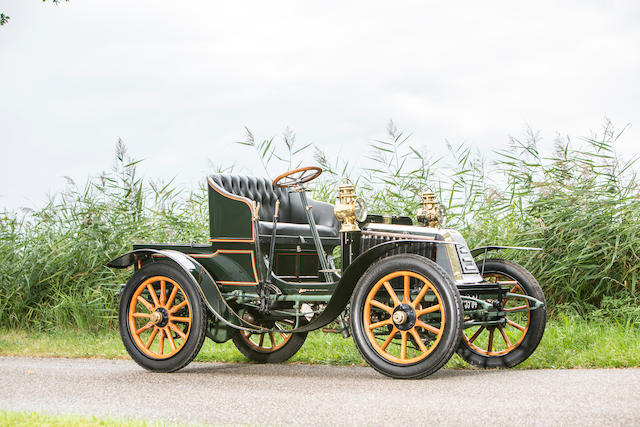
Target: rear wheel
[(512, 342), (270, 347), (161, 318), (406, 316)]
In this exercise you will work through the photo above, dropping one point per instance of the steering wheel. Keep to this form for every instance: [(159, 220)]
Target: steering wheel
[(297, 176)]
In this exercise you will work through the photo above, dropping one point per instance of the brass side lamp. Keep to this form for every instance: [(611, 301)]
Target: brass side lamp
[(431, 212), (349, 209)]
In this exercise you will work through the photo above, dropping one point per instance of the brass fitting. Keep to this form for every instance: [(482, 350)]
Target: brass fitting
[(344, 209), (429, 212)]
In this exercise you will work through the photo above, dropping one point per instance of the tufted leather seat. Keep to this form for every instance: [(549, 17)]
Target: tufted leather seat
[(292, 218)]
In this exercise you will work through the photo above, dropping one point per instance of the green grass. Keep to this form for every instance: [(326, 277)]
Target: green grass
[(28, 419), (569, 342)]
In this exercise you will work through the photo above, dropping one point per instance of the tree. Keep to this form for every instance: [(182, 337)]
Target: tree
[(5, 19)]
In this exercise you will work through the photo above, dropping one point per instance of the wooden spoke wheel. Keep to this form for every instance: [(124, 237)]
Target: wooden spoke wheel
[(270, 347), (406, 316), (161, 318), (399, 327), (519, 333)]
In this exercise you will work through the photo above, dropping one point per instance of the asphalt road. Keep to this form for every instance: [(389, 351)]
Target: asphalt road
[(319, 395)]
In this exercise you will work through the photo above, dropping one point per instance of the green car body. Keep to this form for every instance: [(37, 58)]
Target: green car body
[(233, 268)]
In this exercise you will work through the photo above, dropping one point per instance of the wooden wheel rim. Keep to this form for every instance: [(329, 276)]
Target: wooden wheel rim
[(501, 333), (404, 335), (277, 183), (165, 331), (251, 338)]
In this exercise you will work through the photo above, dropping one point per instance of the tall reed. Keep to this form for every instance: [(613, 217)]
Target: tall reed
[(579, 203)]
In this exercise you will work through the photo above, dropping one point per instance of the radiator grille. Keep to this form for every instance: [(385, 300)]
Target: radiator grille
[(426, 250)]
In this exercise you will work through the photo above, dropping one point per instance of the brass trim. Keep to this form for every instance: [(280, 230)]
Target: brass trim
[(344, 209)]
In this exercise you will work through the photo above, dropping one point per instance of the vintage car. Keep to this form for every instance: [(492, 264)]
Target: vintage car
[(410, 294)]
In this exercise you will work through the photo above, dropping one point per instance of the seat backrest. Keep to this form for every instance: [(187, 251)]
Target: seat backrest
[(260, 190)]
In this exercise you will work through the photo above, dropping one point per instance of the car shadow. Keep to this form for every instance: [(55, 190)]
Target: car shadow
[(296, 370)]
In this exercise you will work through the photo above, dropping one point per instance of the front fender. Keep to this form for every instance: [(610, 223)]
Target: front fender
[(202, 280), (349, 279)]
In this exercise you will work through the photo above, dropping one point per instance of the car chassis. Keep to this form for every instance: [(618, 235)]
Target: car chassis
[(409, 294)]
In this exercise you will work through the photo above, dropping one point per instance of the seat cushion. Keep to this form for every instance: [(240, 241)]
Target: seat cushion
[(291, 229)]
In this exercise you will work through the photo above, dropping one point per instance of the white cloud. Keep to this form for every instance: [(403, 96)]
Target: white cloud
[(178, 81)]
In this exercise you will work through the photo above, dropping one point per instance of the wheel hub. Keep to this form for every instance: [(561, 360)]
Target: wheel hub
[(404, 317), (160, 317)]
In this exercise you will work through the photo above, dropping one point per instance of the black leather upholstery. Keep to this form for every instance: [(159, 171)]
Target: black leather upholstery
[(292, 218)]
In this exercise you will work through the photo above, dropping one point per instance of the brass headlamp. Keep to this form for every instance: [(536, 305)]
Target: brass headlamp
[(431, 213), (349, 209)]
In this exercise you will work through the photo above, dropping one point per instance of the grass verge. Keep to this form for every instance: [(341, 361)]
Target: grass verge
[(569, 342), (28, 419)]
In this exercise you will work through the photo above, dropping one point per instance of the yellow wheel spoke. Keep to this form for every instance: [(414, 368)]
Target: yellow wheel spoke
[(421, 324), (392, 293), (421, 295), (142, 315), (428, 310), (146, 303), (403, 345), (144, 328), (177, 330), (407, 297), (172, 296), (154, 297), (477, 334), (504, 336), (382, 306), (389, 338), (380, 324), (515, 325), (273, 339), (161, 342), (163, 292), (416, 336), (151, 338), (180, 319), (521, 307), (171, 343), (178, 307)]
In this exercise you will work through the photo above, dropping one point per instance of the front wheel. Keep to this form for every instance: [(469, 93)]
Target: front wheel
[(406, 316), (516, 338)]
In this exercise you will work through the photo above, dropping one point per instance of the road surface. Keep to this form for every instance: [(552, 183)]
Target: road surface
[(319, 395)]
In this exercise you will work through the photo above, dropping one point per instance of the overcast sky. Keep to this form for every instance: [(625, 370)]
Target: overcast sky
[(178, 81)]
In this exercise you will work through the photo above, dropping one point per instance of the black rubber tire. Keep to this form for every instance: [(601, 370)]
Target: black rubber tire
[(194, 341), (537, 323), (283, 353), (452, 311)]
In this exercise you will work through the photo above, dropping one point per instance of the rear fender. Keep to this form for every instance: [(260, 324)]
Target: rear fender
[(201, 278)]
